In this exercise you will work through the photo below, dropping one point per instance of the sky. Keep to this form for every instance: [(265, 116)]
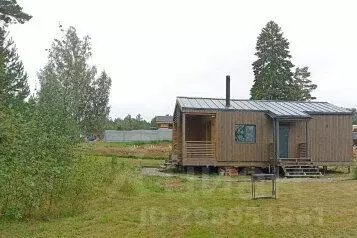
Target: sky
[(157, 50)]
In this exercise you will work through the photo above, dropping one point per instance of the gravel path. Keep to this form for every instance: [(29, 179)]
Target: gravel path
[(155, 172)]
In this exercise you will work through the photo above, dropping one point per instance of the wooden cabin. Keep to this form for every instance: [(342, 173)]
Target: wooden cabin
[(259, 133), (164, 122)]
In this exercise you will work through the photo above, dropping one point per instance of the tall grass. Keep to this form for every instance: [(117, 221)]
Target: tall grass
[(88, 177), (94, 177), (354, 170)]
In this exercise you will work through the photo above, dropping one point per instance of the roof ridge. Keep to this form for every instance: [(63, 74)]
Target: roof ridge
[(261, 100)]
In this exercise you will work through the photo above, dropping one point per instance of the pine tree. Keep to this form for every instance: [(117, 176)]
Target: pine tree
[(272, 69), (304, 86), (13, 82), (11, 12)]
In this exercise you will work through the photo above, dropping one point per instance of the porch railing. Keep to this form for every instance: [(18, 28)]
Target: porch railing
[(303, 150), (200, 149)]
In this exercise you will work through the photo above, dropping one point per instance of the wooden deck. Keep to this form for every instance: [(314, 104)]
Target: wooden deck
[(294, 161)]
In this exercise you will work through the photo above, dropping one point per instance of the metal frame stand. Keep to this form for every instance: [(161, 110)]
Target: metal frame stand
[(262, 177)]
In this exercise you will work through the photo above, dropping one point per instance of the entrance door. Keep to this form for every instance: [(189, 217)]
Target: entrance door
[(283, 140)]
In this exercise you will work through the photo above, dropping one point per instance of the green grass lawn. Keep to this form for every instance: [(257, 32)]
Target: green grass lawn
[(134, 205)]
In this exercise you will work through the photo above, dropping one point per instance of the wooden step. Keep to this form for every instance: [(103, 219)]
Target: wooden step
[(295, 168), (299, 166), (303, 176), (301, 169), (302, 172)]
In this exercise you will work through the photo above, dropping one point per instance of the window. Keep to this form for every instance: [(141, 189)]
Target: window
[(245, 133)]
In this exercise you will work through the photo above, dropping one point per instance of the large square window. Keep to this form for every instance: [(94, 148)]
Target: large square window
[(245, 133)]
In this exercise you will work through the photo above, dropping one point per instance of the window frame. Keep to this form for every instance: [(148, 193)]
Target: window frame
[(245, 142)]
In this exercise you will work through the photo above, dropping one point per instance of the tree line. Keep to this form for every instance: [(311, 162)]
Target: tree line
[(130, 123)]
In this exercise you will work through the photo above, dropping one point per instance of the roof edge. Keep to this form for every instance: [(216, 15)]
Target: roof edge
[(263, 100)]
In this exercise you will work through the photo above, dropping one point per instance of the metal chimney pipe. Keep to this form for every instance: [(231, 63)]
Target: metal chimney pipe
[(228, 91)]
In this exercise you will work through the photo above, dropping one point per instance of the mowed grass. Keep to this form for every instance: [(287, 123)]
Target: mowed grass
[(134, 205)]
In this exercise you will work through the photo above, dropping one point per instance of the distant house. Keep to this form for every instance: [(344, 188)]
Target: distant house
[(354, 134), (354, 128), (164, 121), (260, 133), (354, 137)]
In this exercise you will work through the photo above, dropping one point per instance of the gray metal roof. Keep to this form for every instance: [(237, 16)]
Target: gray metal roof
[(164, 118), (276, 109)]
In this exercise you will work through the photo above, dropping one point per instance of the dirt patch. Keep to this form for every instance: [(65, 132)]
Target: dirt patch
[(159, 150), (173, 184)]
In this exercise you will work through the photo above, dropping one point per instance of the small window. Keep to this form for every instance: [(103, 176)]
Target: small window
[(245, 133)]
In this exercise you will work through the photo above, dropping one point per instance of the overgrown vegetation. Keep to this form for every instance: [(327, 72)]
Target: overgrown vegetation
[(41, 171)]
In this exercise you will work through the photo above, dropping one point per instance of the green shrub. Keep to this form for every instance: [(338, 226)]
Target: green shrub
[(41, 173), (36, 158)]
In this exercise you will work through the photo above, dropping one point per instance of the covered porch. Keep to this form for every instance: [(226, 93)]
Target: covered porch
[(290, 138), (199, 138)]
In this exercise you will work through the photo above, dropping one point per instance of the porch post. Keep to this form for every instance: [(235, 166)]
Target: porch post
[(277, 144), (307, 139), (274, 147), (184, 136)]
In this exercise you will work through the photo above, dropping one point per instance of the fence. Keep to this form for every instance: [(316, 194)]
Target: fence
[(138, 135)]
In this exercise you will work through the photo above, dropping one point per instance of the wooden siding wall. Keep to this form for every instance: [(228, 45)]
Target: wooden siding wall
[(330, 138), (174, 135), (177, 133), (230, 151), (297, 132)]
